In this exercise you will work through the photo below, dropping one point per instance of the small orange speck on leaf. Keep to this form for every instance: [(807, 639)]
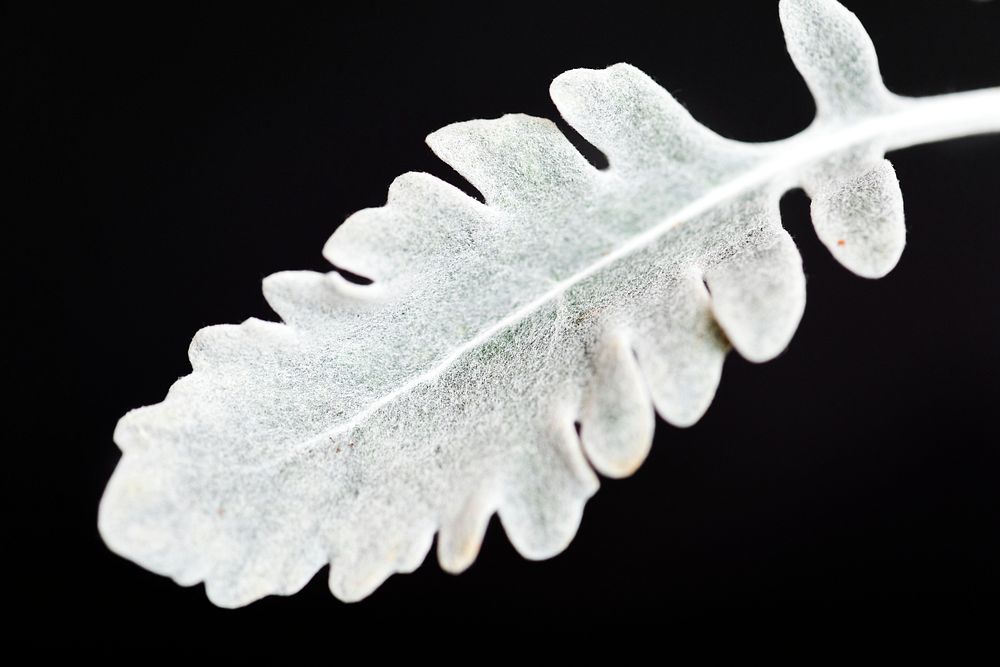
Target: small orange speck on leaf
[(841, 242)]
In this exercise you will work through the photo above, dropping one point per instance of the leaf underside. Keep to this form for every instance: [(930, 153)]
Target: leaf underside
[(376, 417)]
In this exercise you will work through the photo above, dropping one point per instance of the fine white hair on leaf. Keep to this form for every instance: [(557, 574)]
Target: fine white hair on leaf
[(377, 417)]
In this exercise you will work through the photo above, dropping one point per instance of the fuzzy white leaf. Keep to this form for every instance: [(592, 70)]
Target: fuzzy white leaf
[(376, 417)]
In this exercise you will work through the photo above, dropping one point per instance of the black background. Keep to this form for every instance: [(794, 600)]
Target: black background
[(171, 159)]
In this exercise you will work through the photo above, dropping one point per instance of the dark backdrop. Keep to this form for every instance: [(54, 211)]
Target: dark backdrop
[(170, 159)]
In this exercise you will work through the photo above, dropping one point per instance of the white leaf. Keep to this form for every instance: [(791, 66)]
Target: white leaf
[(377, 416)]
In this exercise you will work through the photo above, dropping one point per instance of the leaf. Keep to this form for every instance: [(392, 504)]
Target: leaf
[(376, 417)]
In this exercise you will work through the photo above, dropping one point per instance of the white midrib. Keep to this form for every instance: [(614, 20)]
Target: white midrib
[(916, 121)]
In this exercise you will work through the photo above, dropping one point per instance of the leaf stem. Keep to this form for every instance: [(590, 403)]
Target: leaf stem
[(940, 117)]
